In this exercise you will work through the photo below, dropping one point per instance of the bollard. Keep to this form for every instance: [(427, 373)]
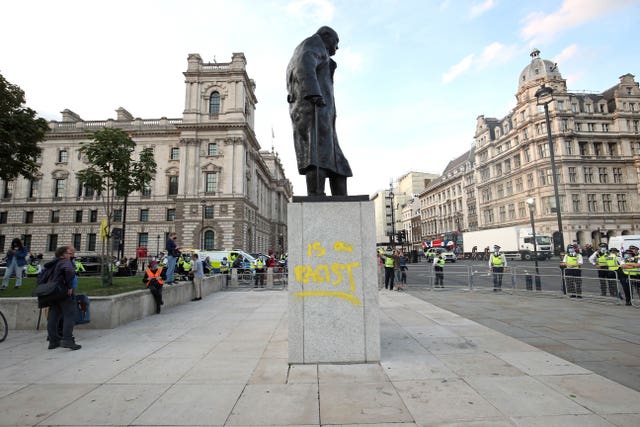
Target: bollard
[(234, 277), (528, 281)]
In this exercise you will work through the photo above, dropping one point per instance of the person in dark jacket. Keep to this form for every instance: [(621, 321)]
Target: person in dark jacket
[(65, 274), (16, 262), (310, 97)]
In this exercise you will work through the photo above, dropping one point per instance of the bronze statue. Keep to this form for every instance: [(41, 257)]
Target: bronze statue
[(313, 114)]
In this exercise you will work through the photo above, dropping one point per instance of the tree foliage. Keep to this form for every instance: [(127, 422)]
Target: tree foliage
[(20, 132), (113, 172)]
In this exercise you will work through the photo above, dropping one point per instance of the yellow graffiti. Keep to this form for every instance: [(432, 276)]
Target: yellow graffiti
[(342, 246), (342, 295), (316, 249), (323, 274)]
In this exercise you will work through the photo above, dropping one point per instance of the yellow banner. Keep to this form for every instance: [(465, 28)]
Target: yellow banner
[(104, 229)]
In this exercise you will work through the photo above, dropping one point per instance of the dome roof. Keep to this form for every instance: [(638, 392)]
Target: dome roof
[(538, 69)]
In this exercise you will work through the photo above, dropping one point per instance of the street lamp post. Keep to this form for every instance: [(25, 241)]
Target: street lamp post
[(544, 97), (158, 246), (532, 205), (203, 203), (393, 219)]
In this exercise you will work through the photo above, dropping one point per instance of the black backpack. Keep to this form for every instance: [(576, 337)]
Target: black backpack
[(47, 291), (45, 275)]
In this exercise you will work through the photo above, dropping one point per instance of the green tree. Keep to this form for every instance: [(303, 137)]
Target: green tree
[(114, 173), (20, 132)]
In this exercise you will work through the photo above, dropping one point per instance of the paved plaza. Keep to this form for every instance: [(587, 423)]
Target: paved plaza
[(223, 361)]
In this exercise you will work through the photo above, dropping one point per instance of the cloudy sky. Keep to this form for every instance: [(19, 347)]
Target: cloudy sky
[(412, 76)]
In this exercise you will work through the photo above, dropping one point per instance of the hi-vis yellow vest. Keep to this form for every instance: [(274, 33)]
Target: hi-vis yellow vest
[(496, 260), (572, 262), (388, 262)]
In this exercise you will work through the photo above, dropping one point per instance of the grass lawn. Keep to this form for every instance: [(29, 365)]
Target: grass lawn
[(91, 286)]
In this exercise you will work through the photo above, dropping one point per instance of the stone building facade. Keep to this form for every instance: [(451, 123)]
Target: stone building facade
[(213, 184), (596, 139), (390, 211)]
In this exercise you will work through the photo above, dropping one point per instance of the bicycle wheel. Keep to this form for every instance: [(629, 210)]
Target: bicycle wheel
[(4, 328)]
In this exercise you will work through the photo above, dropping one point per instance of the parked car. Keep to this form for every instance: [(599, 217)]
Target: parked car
[(448, 255)]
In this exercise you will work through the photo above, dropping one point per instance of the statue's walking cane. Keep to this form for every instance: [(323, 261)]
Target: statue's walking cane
[(315, 145)]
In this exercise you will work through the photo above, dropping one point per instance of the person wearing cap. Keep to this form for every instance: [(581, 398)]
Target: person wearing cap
[(497, 265), (154, 280), (630, 273), (572, 263), (438, 266), (390, 260), (613, 265), (607, 277)]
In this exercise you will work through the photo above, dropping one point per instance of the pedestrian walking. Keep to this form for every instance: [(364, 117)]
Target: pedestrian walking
[(497, 266), (402, 283), (16, 261)]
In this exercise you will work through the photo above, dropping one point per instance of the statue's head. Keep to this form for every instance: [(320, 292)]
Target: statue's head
[(330, 39)]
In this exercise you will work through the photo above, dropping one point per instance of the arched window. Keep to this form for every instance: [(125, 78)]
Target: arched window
[(214, 103), (209, 238)]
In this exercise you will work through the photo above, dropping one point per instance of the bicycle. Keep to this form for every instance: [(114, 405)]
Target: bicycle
[(4, 327)]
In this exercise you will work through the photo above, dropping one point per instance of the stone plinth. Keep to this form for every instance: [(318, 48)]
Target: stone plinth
[(333, 291)]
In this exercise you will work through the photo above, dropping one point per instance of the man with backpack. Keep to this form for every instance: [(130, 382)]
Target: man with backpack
[(64, 274)]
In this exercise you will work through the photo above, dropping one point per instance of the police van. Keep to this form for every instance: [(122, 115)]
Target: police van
[(623, 242), (215, 258)]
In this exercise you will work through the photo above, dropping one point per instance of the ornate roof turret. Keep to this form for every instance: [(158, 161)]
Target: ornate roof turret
[(538, 69)]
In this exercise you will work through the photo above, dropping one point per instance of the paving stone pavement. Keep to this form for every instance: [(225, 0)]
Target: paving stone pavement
[(599, 336), (223, 361)]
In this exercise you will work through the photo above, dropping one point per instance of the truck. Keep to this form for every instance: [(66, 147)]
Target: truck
[(515, 242), (623, 242)]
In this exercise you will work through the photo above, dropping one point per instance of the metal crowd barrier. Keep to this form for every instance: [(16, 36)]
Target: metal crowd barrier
[(530, 280)]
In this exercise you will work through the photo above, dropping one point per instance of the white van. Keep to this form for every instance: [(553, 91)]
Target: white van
[(215, 257), (623, 242)]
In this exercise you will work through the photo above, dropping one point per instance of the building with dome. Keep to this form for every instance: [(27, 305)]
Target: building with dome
[(596, 139), (214, 185)]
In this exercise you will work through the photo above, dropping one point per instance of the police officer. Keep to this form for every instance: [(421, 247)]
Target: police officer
[(572, 262), (599, 260), (635, 279), (389, 259), (438, 266), (497, 265), (260, 270), (187, 267), (630, 273)]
